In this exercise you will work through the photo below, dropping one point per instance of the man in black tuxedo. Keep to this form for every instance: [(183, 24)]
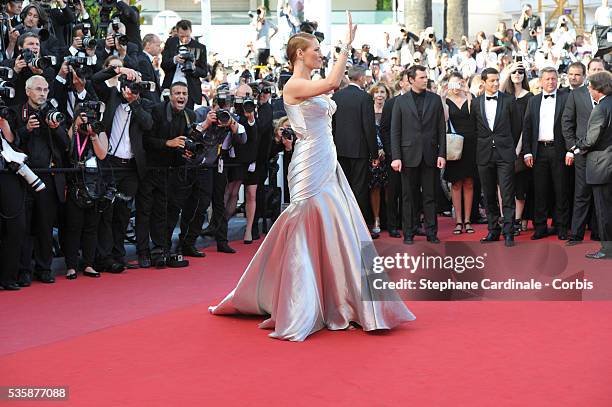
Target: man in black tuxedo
[(148, 65), (126, 119), (394, 185), (114, 45), (354, 130), (175, 67), (418, 151), (70, 89), (578, 108), (495, 154), (598, 147), (544, 150)]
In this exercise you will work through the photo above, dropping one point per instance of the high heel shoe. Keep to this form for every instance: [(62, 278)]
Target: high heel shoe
[(71, 276), (376, 228)]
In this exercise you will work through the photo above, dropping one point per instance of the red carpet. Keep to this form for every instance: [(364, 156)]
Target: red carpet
[(145, 338)]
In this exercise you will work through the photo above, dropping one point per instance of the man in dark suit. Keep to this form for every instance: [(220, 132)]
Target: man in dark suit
[(418, 151), (175, 67), (44, 140), (495, 154), (544, 151), (148, 64), (598, 147), (126, 118), (578, 108), (354, 130), (394, 185)]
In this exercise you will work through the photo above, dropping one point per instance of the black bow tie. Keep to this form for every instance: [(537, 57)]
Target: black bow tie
[(491, 97), (552, 95)]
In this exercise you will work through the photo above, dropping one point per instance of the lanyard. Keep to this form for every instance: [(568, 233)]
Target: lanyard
[(80, 149)]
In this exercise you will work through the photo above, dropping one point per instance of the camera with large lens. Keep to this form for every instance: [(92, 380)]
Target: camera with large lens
[(136, 87), (89, 42), (189, 58), (6, 90), (49, 112), (223, 116), (37, 62), (287, 133), (121, 39), (223, 98), (6, 73), (16, 161), (5, 111), (191, 145), (246, 104), (93, 111)]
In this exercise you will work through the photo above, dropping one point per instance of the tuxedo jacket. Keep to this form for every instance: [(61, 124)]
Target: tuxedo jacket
[(531, 125), (385, 125), (194, 82), (598, 144), (149, 73), (576, 114), (353, 124), (414, 139), (141, 120), (500, 137)]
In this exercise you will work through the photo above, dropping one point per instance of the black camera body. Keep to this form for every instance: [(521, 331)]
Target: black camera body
[(6, 90), (246, 103), (49, 112), (223, 116), (5, 111), (288, 133), (93, 112), (189, 57), (121, 39), (136, 87), (35, 61)]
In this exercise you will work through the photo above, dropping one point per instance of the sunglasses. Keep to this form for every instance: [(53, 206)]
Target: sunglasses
[(520, 72)]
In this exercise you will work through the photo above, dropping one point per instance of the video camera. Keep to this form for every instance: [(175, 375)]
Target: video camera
[(93, 112), (136, 87), (6, 73), (37, 62), (6, 91), (189, 58), (244, 103)]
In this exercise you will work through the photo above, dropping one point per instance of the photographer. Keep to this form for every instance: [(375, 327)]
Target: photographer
[(220, 128), (72, 85), (530, 27), (88, 144), (284, 139), (36, 20), (126, 119), (27, 64), (162, 194), (149, 64), (255, 180), (117, 44), (128, 15), (242, 167), (40, 134), (406, 45), (184, 60), (12, 233), (61, 18), (263, 35)]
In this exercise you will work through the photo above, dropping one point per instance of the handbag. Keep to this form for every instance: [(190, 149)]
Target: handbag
[(454, 144)]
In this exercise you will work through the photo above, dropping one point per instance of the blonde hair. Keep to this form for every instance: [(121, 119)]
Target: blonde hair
[(374, 88), (298, 41)]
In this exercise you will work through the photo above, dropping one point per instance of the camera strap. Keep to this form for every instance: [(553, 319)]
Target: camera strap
[(112, 150), (80, 149)]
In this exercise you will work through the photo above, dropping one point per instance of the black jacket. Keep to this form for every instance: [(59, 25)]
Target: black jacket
[(353, 124), (531, 125), (20, 79), (194, 82), (576, 114), (60, 92), (129, 61), (246, 153), (141, 121), (385, 125), (265, 132), (145, 67), (501, 135), (45, 147), (413, 139), (158, 154)]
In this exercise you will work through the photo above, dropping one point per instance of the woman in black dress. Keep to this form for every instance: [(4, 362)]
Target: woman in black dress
[(461, 173), (517, 85)]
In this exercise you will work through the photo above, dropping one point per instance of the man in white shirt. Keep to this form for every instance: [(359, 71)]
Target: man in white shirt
[(545, 152), (602, 14), (264, 31)]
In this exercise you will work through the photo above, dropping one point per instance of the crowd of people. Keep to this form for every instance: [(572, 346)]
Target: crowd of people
[(113, 125)]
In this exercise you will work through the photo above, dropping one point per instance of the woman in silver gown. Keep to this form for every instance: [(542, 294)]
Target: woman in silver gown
[(308, 272)]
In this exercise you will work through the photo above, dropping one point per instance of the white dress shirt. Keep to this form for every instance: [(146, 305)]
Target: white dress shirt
[(491, 109), (121, 124), (546, 132)]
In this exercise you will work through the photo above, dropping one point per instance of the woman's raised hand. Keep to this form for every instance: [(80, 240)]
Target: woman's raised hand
[(350, 29)]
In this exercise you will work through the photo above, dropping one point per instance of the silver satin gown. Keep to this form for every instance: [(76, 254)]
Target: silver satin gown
[(307, 273)]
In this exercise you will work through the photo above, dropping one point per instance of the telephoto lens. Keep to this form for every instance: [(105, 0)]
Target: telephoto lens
[(223, 116), (288, 133)]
